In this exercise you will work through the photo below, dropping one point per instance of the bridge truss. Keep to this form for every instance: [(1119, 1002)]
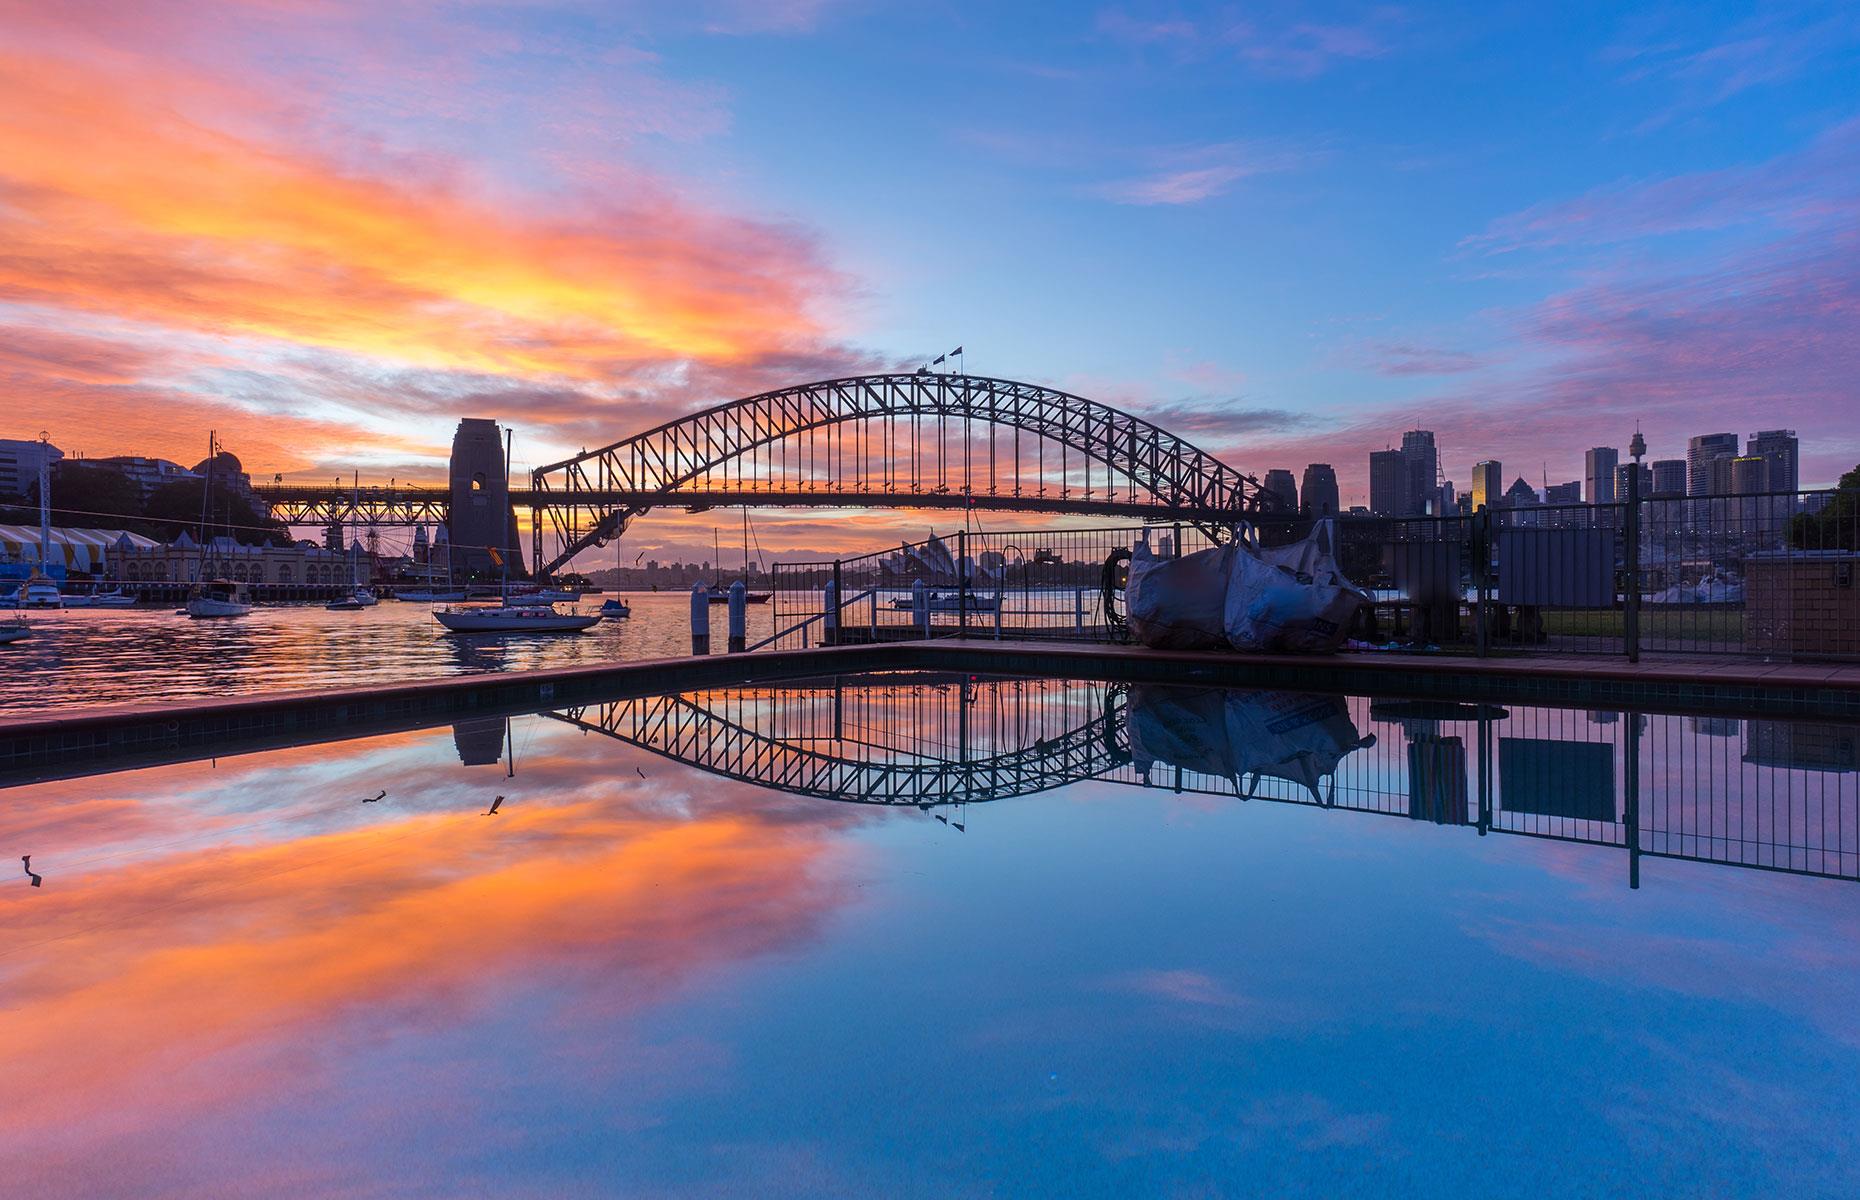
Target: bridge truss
[(896, 440)]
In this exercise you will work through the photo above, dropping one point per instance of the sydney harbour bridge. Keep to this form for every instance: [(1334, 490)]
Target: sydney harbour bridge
[(902, 440)]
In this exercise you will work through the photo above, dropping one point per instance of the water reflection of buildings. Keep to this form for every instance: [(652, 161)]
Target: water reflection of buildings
[(1654, 785)]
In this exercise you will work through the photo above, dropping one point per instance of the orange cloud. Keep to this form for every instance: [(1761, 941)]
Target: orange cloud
[(120, 204)]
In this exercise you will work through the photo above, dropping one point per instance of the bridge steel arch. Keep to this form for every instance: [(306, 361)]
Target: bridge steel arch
[(687, 728), (589, 499)]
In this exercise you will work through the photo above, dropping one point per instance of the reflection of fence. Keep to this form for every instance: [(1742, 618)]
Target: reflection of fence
[(1770, 574), (1779, 795)]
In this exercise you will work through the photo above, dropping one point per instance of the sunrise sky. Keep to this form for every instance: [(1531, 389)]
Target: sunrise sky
[(1285, 231)]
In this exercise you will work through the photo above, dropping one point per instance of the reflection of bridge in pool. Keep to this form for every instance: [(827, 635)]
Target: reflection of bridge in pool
[(1656, 786)]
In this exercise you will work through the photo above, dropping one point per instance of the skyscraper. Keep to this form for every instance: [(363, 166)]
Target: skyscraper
[(1488, 484), (1700, 452), (1279, 482), (1320, 491), (1564, 493), (1781, 450), (1598, 474), (1390, 484), (1669, 477), (1417, 446), (1625, 470)]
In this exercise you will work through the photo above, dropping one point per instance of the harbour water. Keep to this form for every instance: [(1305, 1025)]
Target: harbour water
[(938, 936), (124, 656)]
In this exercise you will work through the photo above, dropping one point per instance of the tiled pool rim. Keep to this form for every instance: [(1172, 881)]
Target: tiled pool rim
[(85, 741)]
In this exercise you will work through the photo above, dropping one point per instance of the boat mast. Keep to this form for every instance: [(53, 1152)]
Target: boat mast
[(206, 496), (45, 504), (509, 436)]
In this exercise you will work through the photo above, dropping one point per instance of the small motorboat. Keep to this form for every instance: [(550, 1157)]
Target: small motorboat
[(38, 592), (950, 602), (110, 599), (218, 598), (614, 608), (14, 630), (355, 601), (512, 618), (721, 595)]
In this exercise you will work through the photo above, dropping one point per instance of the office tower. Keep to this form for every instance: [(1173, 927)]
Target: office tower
[(1488, 484), (1564, 493), (1701, 452), (1598, 474), (1446, 502), (1417, 446), (1749, 475), (1783, 452), (1279, 482), (1320, 491), (1389, 484), (1669, 477), (1625, 470), (1521, 494)]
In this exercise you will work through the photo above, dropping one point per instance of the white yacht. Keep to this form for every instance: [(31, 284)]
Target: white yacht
[(218, 598), (512, 618), (38, 592), (13, 630), (110, 599)]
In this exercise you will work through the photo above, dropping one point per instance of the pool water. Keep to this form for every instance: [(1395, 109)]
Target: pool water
[(941, 936)]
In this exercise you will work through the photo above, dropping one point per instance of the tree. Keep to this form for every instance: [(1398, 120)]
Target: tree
[(175, 508), (97, 497), (1837, 525)]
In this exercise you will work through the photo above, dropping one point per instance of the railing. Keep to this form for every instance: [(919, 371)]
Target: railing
[(1769, 574)]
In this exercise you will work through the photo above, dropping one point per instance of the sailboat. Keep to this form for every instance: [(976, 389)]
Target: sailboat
[(528, 614), (213, 597), (718, 594)]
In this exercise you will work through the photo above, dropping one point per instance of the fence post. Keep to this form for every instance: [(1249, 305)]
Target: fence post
[(738, 618), (962, 583), (833, 606), (920, 607), (1630, 613), (700, 619), (1482, 581)]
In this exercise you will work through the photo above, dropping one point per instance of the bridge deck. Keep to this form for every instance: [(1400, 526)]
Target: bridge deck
[(87, 741)]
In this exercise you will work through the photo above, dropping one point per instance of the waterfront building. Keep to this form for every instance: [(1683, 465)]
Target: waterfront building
[(1320, 491), (1781, 451), (1280, 483), (181, 562), (20, 463), (72, 551), (1389, 484), (1598, 474), (1488, 484)]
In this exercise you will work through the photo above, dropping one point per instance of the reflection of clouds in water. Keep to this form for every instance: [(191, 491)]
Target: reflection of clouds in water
[(168, 981)]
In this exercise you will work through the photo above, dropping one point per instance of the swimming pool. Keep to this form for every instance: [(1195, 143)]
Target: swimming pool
[(945, 935)]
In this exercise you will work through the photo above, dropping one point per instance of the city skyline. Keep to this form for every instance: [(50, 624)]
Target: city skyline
[(1639, 224)]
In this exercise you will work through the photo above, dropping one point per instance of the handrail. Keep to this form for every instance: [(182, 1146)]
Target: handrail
[(819, 616)]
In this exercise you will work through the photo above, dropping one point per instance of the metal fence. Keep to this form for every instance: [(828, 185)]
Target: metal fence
[(1766, 574)]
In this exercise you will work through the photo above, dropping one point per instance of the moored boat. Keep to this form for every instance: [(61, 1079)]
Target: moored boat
[(14, 630), (614, 608), (38, 592), (508, 618), (218, 598)]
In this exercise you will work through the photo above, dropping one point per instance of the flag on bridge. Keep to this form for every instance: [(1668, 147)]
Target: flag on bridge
[(955, 352), (938, 361)]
